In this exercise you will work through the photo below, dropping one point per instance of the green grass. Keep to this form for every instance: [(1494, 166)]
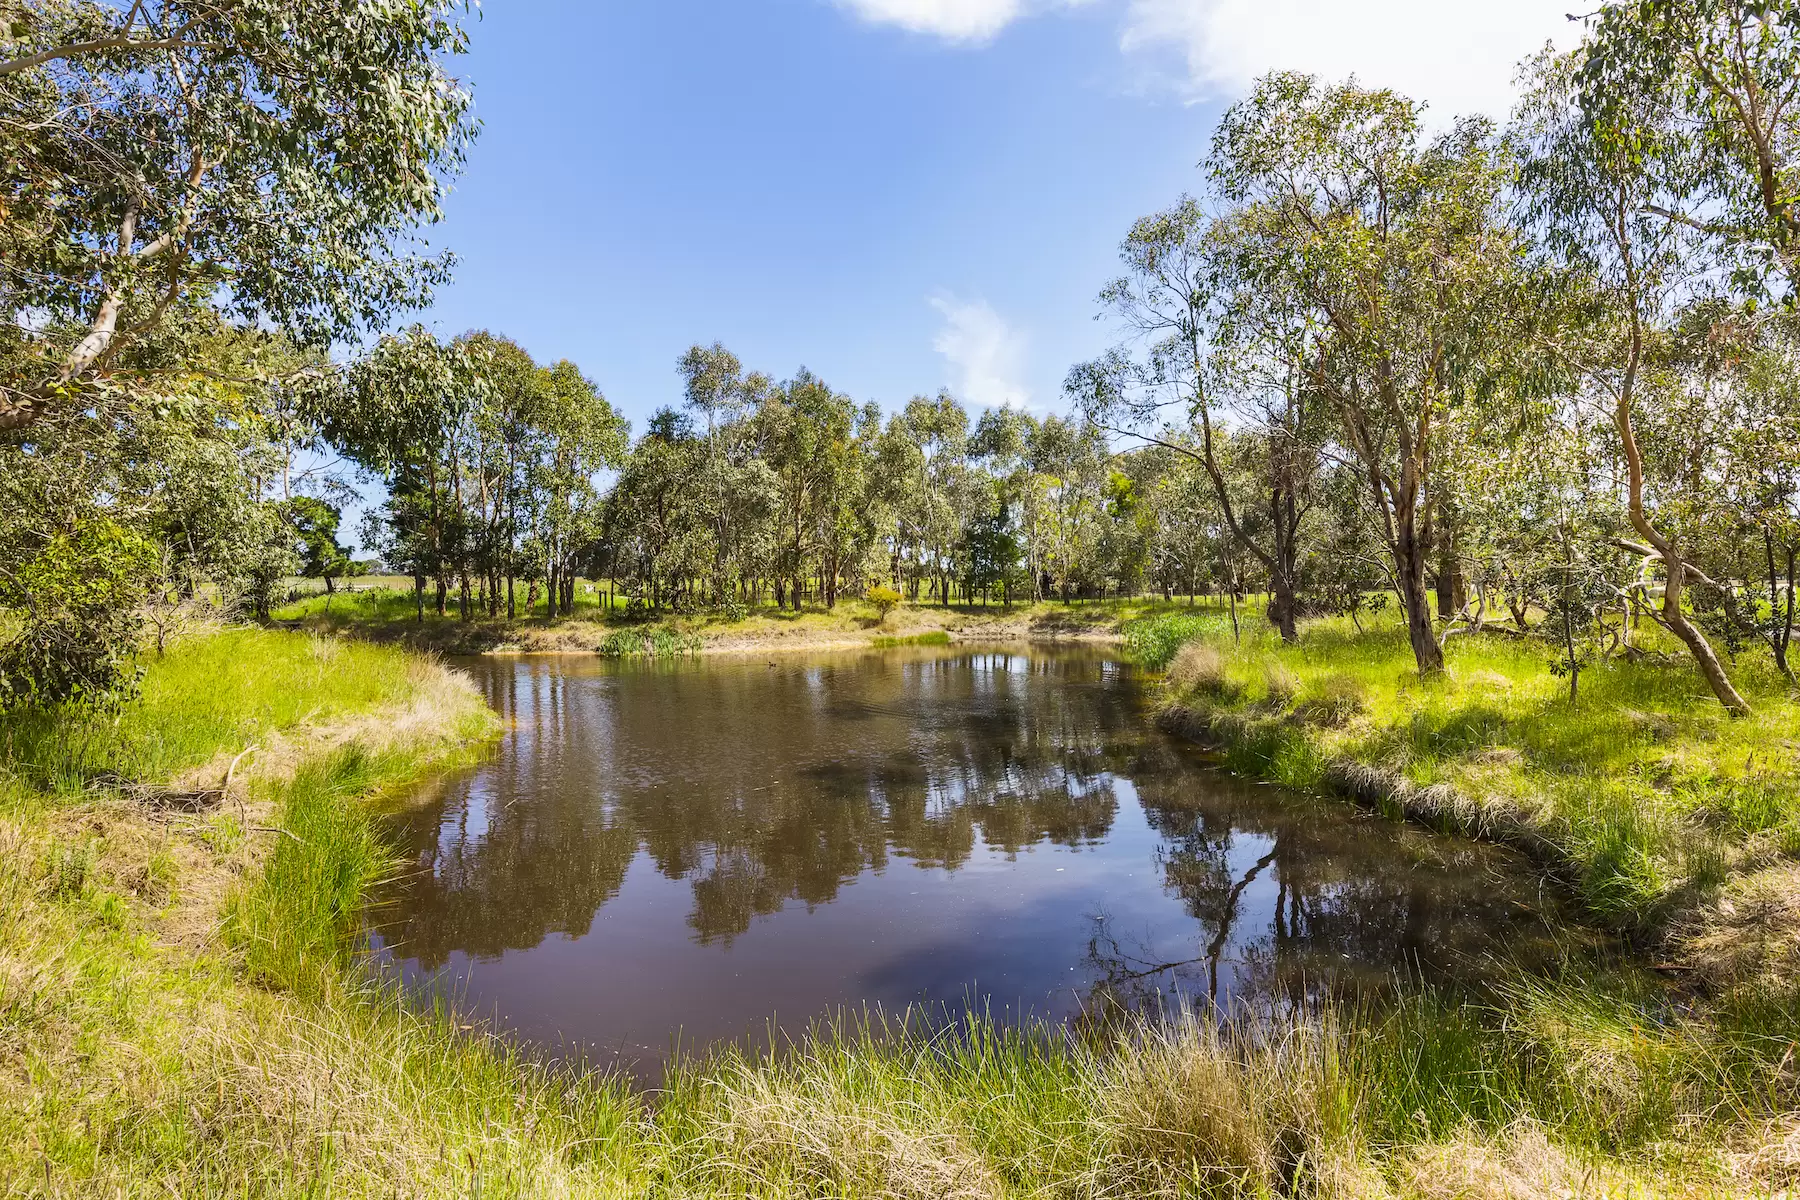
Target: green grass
[(937, 637), (213, 692), (1643, 788), (1154, 641), (650, 642), (382, 610)]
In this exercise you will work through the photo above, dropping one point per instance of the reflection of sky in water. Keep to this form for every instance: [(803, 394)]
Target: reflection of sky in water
[(700, 847)]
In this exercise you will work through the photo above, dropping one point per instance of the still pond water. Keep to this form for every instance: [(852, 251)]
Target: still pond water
[(668, 852)]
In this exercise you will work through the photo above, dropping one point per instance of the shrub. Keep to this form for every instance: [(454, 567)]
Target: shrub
[(78, 642), (884, 598)]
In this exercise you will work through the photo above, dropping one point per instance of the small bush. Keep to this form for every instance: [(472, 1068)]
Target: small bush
[(68, 874), (884, 598)]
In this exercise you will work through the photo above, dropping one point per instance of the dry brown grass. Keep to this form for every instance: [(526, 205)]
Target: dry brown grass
[(1199, 666), (1751, 933), (813, 1132), (1770, 1159), (1522, 1164)]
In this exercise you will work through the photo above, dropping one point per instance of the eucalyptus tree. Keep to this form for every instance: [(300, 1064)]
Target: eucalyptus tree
[(1225, 339), (401, 407), (715, 385), (1702, 98), (999, 448), (657, 539), (574, 437), (1070, 459), (1181, 507), (933, 435), (277, 158), (808, 435), (1396, 243), (315, 524), (1600, 207), (1764, 444)]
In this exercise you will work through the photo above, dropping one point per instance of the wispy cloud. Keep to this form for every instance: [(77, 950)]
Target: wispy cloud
[(986, 353), (1459, 58), (952, 20)]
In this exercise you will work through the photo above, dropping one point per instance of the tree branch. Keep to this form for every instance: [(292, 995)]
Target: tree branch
[(100, 45)]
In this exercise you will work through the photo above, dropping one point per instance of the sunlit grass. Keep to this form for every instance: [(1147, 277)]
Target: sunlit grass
[(212, 692), (1646, 787), (389, 604)]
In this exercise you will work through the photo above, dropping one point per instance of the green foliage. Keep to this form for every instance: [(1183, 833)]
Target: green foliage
[(306, 201), (884, 598), (78, 642), (1154, 641), (316, 523)]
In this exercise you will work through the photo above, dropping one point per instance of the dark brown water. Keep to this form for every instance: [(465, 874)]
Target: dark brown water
[(687, 850)]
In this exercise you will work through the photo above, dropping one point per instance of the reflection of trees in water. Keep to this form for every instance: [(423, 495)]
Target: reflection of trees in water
[(1342, 906), (762, 787), (501, 890)]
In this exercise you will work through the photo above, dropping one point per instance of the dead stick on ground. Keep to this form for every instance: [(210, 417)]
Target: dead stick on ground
[(225, 787)]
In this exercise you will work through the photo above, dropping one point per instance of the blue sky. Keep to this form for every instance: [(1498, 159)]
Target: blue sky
[(897, 194)]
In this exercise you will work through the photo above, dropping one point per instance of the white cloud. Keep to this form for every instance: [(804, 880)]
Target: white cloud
[(988, 354), (1456, 55), (954, 20)]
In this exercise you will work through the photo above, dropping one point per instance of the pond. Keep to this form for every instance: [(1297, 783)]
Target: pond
[(667, 853)]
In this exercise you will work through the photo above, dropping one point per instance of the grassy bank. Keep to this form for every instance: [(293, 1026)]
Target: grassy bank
[(1667, 817), (387, 614), (181, 1013)]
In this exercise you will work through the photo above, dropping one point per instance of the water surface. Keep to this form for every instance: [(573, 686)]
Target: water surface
[(691, 849)]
